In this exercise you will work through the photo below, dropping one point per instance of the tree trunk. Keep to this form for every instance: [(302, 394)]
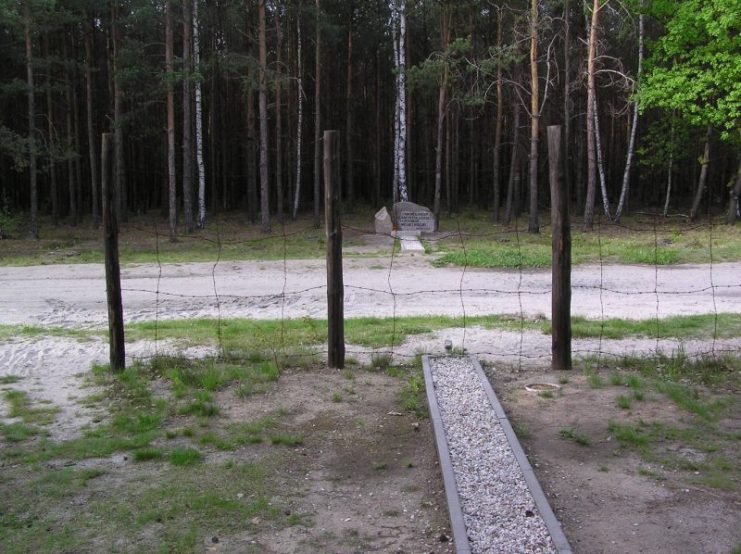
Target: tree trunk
[(251, 157), (187, 119), (278, 121), (71, 177), (566, 94), (118, 149), (395, 42), (199, 121), (702, 183), (403, 191), (670, 167), (349, 177), (169, 76), (377, 149), (92, 152), (51, 143), (600, 164), (532, 224), (300, 121), (634, 127), (441, 111), (735, 193), (263, 101), (500, 120), (317, 117), (509, 206), (591, 155), (33, 184)]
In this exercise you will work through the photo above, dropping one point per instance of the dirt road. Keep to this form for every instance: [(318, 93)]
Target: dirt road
[(74, 295)]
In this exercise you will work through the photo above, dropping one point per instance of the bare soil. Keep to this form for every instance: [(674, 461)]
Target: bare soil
[(597, 492)]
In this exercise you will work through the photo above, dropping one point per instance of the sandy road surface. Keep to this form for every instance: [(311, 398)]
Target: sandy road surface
[(74, 295)]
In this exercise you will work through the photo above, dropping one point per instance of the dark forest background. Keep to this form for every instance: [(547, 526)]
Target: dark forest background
[(218, 105)]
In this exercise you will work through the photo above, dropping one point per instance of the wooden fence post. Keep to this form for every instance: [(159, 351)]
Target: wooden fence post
[(561, 255), (112, 268), (335, 286)]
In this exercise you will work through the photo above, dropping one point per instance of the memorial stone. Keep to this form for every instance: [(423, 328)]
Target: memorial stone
[(384, 225), (413, 217)]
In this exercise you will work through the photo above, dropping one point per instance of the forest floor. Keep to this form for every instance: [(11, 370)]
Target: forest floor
[(275, 453)]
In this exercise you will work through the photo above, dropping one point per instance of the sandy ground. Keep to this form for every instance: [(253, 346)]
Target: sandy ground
[(74, 295)]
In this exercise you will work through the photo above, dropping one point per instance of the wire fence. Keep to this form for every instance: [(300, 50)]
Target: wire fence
[(465, 292)]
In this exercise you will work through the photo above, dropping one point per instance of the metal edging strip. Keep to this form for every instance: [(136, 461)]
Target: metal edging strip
[(457, 526)]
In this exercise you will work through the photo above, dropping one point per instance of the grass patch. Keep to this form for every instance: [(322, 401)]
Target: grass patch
[(10, 379), (638, 240), (623, 402), (287, 439), (147, 454), (184, 504), (630, 435), (496, 256), (571, 434), (522, 431), (411, 396), (252, 340), (8, 332), (19, 432), (594, 381), (20, 407), (689, 399), (185, 457)]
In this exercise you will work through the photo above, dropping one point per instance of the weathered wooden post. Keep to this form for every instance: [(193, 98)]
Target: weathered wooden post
[(561, 255), (112, 268), (335, 286)]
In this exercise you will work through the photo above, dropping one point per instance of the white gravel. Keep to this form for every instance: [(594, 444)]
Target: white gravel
[(498, 509)]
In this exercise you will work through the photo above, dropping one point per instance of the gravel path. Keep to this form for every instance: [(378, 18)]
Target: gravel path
[(498, 508)]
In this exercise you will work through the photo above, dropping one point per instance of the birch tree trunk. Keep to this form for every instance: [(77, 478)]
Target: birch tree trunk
[(633, 130), (171, 181), (300, 119), (32, 176), (317, 117), (403, 192), (395, 42), (702, 183), (600, 164), (591, 155), (263, 101), (532, 225), (187, 119), (199, 120)]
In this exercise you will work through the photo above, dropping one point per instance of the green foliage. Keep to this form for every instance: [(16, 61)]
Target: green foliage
[(695, 68)]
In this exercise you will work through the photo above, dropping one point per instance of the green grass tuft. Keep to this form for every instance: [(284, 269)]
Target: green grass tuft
[(185, 457)]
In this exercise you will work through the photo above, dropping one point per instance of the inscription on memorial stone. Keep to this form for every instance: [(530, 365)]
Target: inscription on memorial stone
[(413, 217)]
